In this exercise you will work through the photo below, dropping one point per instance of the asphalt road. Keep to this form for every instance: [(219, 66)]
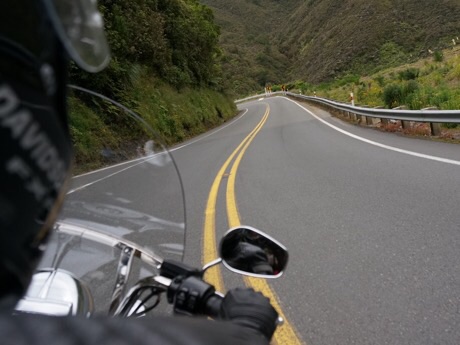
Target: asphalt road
[(373, 231), (370, 220)]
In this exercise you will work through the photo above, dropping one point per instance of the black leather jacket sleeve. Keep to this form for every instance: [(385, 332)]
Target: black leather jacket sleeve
[(31, 330)]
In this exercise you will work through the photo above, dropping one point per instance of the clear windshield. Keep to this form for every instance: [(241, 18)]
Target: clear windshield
[(127, 189)]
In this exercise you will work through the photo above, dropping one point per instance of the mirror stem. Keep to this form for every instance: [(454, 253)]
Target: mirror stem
[(210, 264)]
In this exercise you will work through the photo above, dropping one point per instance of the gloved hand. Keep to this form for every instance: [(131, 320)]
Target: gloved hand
[(251, 309)]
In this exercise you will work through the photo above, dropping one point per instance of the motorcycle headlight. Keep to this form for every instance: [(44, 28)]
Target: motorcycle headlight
[(80, 26)]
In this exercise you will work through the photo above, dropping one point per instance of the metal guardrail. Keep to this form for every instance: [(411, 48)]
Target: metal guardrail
[(426, 115)]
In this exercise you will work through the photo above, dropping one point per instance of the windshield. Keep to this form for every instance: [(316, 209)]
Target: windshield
[(127, 191)]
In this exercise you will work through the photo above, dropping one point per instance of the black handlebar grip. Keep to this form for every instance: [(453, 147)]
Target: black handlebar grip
[(212, 306)]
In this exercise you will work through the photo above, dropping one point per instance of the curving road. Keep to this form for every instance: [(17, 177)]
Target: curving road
[(371, 221)]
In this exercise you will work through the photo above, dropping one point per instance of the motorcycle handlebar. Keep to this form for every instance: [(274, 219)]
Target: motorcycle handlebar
[(214, 302), (212, 305), (193, 296), (202, 294)]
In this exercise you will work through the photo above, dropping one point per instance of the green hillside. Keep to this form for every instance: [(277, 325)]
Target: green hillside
[(327, 38), (180, 63), (321, 40), (165, 66), (251, 56)]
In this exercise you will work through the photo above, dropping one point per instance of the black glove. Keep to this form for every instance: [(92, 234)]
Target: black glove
[(251, 309)]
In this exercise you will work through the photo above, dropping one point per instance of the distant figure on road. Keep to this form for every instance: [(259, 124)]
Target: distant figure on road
[(268, 90), (283, 88)]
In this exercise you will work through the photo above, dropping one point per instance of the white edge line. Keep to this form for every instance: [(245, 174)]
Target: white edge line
[(169, 150), (113, 174), (387, 147), (207, 135), (144, 159), (109, 167)]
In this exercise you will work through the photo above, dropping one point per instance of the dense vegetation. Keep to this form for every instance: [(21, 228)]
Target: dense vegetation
[(323, 40), (176, 39), (252, 58), (165, 66)]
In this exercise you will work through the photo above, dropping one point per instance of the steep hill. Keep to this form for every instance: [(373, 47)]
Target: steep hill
[(319, 40), (327, 37), (251, 56)]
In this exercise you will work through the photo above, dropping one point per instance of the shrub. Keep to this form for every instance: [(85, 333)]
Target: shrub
[(411, 87), (440, 97), (409, 74), (393, 95), (348, 79), (438, 56), (410, 94), (302, 86)]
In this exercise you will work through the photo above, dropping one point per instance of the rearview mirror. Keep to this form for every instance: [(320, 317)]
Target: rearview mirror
[(249, 251)]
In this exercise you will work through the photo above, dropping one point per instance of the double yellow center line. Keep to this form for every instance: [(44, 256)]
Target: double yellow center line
[(286, 333)]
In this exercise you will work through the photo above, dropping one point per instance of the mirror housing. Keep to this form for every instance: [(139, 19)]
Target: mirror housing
[(251, 252)]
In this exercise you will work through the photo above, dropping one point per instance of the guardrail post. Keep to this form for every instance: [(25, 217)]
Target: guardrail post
[(435, 127), (373, 120), (367, 119), (404, 124), (382, 121)]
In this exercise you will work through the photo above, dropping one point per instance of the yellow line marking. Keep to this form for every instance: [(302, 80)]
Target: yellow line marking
[(214, 275), (232, 208), (285, 334)]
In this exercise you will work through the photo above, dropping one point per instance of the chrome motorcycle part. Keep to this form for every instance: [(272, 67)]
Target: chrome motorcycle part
[(280, 321), (56, 293), (124, 267), (138, 296), (211, 264)]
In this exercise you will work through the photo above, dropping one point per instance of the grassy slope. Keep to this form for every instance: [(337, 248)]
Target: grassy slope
[(174, 115), (437, 84), (328, 38)]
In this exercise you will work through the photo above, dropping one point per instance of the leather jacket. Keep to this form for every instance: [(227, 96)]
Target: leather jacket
[(37, 329)]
